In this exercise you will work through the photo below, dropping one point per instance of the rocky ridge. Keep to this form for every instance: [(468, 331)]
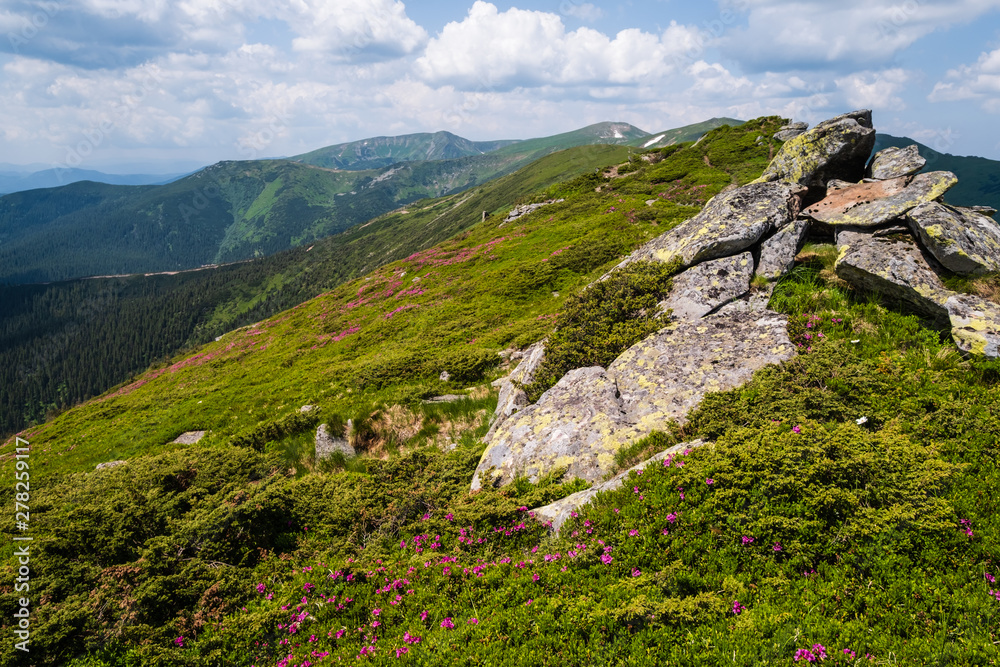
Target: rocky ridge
[(895, 237)]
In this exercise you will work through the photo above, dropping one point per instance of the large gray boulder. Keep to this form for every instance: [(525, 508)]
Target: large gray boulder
[(871, 211), (894, 162), (975, 324), (777, 254), (703, 288), (892, 267), (790, 131), (836, 148), (557, 513), (964, 241), (570, 426), (327, 444), (664, 376), (730, 223), (591, 413), (513, 398)]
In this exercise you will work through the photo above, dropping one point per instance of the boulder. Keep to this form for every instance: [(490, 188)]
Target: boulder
[(568, 427), (894, 162), (188, 438), (512, 398), (975, 324), (327, 444), (842, 199), (557, 513), (790, 131), (872, 212), (664, 376), (703, 288), (836, 148), (988, 211), (892, 267), (730, 223), (963, 241), (777, 254)]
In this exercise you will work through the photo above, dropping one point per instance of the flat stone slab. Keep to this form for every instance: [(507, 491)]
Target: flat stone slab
[(189, 438), (975, 324), (777, 254), (836, 148), (843, 199), (892, 267), (964, 241), (557, 513), (922, 189), (730, 223), (703, 288), (894, 162), (445, 398)]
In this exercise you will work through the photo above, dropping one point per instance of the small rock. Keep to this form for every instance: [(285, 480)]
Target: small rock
[(894, 162), (988, 211), (895, 230), (327, 444), (189, 438), (110, 464), (777, 254), (307, 408), (445, 376), (446, 398), (965, 242), (837, 184)]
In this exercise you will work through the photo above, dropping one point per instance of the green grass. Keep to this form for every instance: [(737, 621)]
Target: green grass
[(848, 499)]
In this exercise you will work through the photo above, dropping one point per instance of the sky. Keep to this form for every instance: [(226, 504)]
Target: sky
[(157, 86)]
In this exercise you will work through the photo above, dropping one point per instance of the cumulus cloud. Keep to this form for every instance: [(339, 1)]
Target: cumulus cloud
[(875, 90), (493, 49), (847, 34), (980, 81), (585, 12)]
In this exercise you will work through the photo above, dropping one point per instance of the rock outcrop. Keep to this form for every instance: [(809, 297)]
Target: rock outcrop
[(777, 254), (836, 148), (872, 210), (790, 131), (703, 288)]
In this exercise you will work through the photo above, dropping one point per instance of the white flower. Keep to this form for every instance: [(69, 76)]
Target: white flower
[(861, 420), (857, 340)]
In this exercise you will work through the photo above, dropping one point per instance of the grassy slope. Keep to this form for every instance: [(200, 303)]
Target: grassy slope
[(45, 326), (799, 529), (376, 152), (682, 134)]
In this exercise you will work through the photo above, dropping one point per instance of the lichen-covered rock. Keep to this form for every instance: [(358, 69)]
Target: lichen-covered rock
[(567, 427), (730, 223), (511, 397), (777, 254), (893, 267), (975, 324), (555, 514), (963, 241), (842, 199), (664, 376), (189, 438), (922, 189), (988, 211), (327, 444), (894, 162), (703, 288), (790, 131), (836, 148)]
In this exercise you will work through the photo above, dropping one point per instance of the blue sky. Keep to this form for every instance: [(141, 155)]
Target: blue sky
[(158, 85)]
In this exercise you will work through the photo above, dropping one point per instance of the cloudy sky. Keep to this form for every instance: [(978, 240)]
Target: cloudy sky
[(158, 85)]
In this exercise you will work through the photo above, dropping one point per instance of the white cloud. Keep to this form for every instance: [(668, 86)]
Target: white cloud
[(492, 49), (980, 81), (586, 12), (816, 33), (875, 90)]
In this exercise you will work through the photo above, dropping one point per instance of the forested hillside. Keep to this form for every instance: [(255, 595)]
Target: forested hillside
[(65, 342)]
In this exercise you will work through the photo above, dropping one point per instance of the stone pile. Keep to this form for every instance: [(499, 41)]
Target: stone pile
[(895, 237)]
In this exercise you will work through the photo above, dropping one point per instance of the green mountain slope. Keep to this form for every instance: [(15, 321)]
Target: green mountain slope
[(978, 178), (377, 152), (125, 324), (681, 134), (804, 533)]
